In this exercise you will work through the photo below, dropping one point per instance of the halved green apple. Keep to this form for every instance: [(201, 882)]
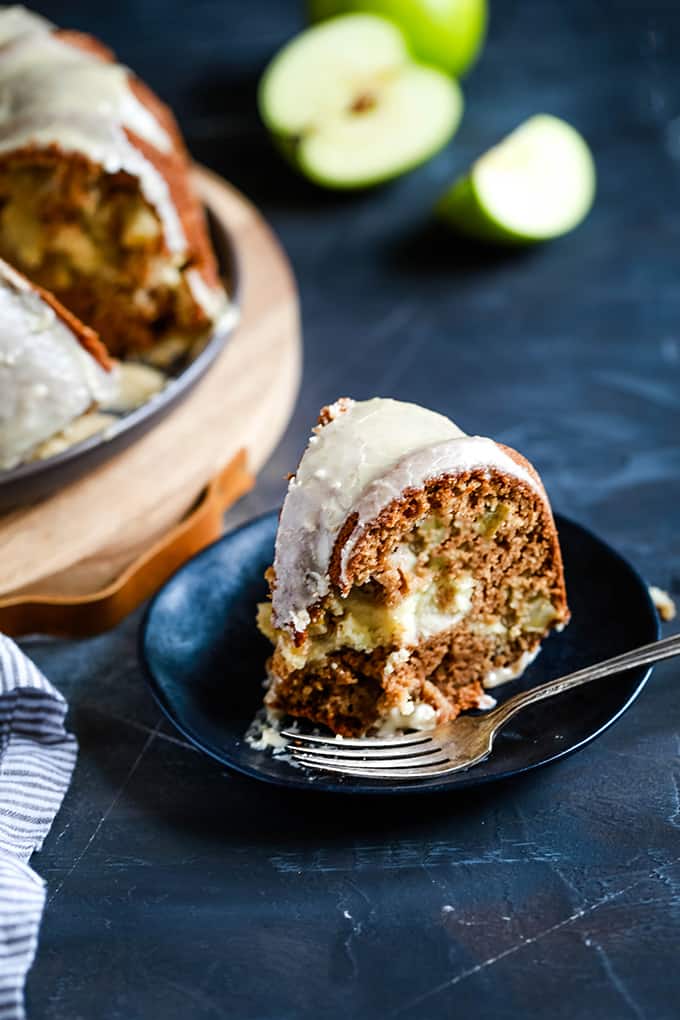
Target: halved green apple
[(536, 184), (348, 105)]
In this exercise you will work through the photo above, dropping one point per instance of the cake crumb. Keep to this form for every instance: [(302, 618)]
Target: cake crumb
[(332, 411), (665, 606), (264, 733)]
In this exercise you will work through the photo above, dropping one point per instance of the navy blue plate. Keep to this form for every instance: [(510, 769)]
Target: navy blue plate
[(204, 660)]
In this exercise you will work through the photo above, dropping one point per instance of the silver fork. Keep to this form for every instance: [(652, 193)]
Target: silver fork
[(458, 745)]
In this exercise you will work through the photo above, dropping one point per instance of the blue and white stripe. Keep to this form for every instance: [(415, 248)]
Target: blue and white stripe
[(37, 757)]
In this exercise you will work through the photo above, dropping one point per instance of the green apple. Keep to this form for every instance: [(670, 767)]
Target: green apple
[(350, 108), (446, 33), (538, 183)]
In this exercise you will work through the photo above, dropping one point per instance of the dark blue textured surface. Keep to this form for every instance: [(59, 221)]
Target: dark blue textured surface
[(178, 890), (204, 660)]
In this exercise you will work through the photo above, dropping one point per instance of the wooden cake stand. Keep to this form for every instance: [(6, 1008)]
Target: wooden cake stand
[(78, 562)]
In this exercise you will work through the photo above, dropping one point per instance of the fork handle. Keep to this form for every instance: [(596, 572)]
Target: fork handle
[(644, 656)]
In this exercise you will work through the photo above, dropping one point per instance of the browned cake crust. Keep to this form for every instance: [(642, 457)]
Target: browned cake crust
[(119, 299), (495, 529), (87, 337)]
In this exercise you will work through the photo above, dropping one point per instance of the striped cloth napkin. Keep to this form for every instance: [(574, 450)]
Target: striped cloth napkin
[(37, 757)]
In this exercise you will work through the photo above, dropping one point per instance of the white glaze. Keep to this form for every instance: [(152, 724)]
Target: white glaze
[(90, 424), (411, 715), (504, 674), (359, 463), (55, 93), (212, 300), (136, 384), (16, 20), (47, 379)]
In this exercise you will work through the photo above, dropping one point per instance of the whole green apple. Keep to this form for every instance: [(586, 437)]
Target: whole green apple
[(446, 33)]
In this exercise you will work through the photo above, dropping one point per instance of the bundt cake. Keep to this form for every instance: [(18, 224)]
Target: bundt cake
[(52, 369), (415, 568), (96, 203)]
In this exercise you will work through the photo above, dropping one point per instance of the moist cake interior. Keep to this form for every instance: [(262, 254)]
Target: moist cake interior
[(453, 588), (91, 239)]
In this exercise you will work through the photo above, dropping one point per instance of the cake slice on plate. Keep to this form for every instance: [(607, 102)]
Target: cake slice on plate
[(415, 568), (53, 370)]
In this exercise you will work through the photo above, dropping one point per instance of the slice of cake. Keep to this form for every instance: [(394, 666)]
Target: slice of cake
[(96, 202), (415, 568), (52, 370)]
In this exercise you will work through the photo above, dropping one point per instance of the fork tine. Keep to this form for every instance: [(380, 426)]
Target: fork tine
[(400, 741), (435, 758), (411, 753), (427, 772)]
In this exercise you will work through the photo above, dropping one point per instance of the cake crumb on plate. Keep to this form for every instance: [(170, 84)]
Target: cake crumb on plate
[(665, 606)]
